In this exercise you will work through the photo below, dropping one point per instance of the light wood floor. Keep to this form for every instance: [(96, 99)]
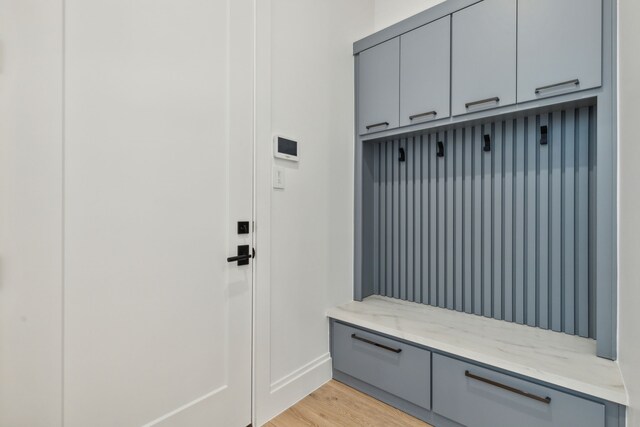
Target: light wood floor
[(337, 405)]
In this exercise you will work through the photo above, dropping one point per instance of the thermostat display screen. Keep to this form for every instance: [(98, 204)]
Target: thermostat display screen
[(286, 146)]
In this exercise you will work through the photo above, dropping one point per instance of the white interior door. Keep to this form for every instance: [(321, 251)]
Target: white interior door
[(158, 170)]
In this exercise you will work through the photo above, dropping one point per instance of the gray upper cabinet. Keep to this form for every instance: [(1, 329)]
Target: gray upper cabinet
[(484, 56), (559, 47), (424, 72), (378, 87)]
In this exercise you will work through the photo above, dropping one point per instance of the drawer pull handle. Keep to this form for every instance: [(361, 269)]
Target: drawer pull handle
[(395, 350), (575, 82), (417, 116), (545, 400), (482, 101), (375, 125)]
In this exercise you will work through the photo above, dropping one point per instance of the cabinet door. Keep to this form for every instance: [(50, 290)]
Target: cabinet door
[(559, 47), (424, 72), (379, 87), (484, 56)]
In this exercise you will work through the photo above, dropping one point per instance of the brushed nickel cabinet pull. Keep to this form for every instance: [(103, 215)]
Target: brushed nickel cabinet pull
[(545, 400), (575, 82), (377, 125), (364, 340), (417, 116), (482, 101)]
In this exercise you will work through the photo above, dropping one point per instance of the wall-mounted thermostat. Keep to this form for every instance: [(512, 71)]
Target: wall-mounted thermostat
[(285, 148)]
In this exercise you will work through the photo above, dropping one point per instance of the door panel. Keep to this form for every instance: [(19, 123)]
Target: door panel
[(158, 169), (424, 72), (484, 56), (559, 41), (379, 87)]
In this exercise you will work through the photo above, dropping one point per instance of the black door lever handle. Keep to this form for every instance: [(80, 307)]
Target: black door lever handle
[(243, 257), (239, 258)]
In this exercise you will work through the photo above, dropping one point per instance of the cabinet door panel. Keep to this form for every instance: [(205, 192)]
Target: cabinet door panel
[(484, 56), (424, 72), (379, 87), (559, 47)]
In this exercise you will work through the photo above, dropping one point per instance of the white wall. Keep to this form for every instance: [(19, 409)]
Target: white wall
[(629, 204), (304, 233), (388, 12), (30, 213)]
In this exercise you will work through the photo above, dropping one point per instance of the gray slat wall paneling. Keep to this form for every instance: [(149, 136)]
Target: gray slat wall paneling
[(501, 233)]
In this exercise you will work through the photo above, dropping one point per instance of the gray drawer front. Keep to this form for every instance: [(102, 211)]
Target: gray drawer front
[(405, 374), (474, 403)]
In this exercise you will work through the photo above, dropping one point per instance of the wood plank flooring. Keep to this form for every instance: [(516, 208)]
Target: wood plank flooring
[(337, 405)]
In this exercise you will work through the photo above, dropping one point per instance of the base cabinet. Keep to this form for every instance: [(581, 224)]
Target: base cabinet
[(445, 391), (398, 368), (479, 397)]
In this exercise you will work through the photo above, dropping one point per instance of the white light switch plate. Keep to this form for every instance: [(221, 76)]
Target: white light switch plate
[(278, 177)]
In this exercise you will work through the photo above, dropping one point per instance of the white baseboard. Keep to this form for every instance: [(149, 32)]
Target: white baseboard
[(295, 386)]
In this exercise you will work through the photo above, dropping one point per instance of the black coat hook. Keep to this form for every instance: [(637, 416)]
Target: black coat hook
[(487, 143), (402, 157), (440, 152), (544, 130)]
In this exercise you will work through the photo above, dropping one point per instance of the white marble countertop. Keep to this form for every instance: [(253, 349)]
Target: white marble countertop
[(556, 358)]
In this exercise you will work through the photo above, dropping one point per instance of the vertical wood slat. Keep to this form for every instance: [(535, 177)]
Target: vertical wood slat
[(458, 231), (568, 240), (582, 223), (476, 219), (426, 155), (433, 225), (497, 222), (486, 233), (389, 220), (508, 228), (542, 212), (449, 218), (441, 252), (467, 241), (410, 219), (531, 223), (376, 217), (402, 222), (519, 239), (555, 221), (504, 233)]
